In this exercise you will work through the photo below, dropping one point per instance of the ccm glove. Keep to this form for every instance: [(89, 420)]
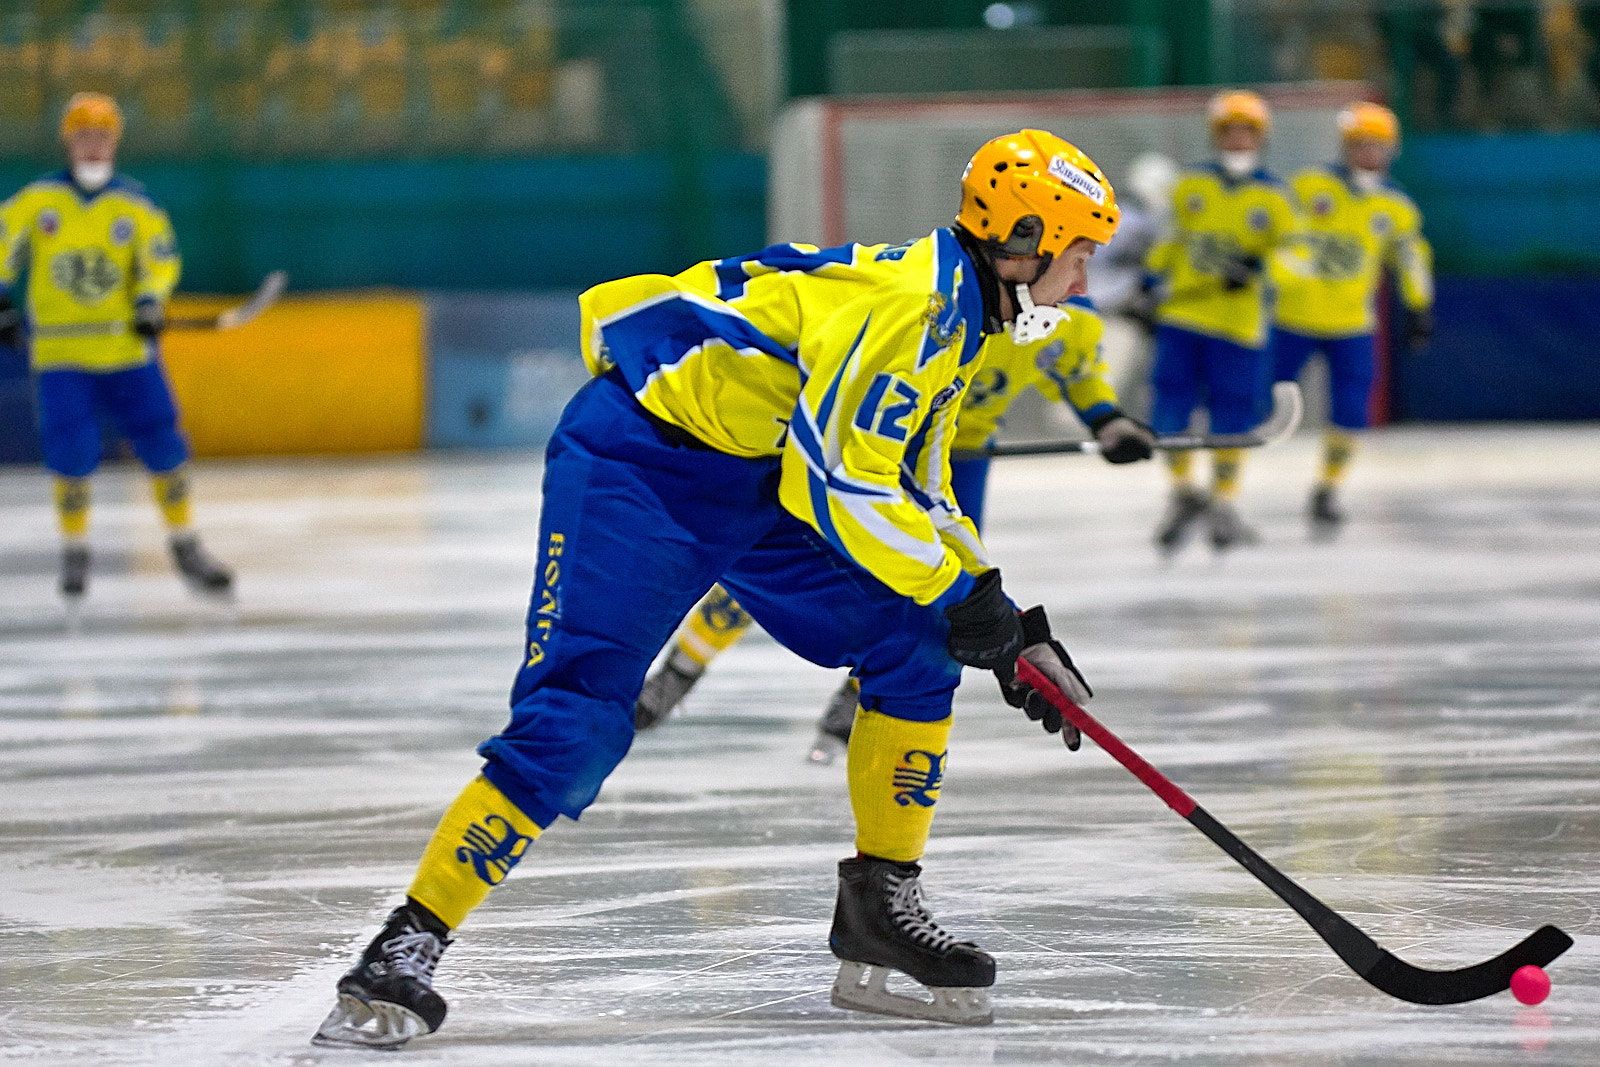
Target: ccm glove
[(1122, 438), (984, 631), (1046, 653), (1419, 330), (10, 323), (1239, 271), (148, 318)]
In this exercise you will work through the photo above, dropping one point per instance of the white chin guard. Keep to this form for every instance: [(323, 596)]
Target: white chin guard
[(1034, 323)]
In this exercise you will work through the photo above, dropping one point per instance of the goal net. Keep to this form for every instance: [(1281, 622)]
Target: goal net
[(877, 169)]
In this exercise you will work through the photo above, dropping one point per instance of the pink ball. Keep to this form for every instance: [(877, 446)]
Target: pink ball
[(1530, 984)]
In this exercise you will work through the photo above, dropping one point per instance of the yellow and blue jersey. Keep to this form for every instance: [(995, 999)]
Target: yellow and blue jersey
[(88, 257), (849, 363), (1351, 235), (1066, 366), (1215, 217)]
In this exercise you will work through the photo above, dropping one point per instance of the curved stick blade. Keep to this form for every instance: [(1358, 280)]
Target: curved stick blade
[(1400, 979)]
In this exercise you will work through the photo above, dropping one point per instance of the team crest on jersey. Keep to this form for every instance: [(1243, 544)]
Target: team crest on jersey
[(492, 848), (1258, 220), (948, 393), (1322, 205), (988, 384), (121, 231), (918, 776), (86, 273), (1382, 224), (49, 221), (1195, 204)]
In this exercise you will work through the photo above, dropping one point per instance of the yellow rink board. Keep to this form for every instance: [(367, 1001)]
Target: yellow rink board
[(337, 373)]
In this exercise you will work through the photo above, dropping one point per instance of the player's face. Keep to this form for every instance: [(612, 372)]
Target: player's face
[(1238, 137), (91, 146), (1067, 275), (1366, 153)]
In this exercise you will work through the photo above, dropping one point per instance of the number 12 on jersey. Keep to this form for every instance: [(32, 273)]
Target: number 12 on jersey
[(883, 412)]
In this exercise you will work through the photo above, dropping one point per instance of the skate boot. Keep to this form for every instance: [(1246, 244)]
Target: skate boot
[(1184, 509), (1228, 530), (1326, 514), (881, 924), (833, 729), (199, 569), (74, 570), (387, 998), (664, 690)]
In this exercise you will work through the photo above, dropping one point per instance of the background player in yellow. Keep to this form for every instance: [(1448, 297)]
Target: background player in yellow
[(781, 422), (1231, 221), (1358, 222), (1067, 366), (99, 261)]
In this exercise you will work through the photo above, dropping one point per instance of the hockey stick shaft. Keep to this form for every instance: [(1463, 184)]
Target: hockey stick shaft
[(272, 287), (1370, 961)]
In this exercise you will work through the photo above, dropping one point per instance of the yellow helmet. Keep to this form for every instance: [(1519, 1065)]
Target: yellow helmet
[(1239, 105), (1031, 193), (1369, 122), (91, 111)]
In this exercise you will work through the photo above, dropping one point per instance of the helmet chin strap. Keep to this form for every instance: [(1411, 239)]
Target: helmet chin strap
[(1033, 324)]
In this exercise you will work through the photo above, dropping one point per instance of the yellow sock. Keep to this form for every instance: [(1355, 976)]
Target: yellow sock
[(1225, 466), (1338, 448), (172, 493), (715, 624), (895, 767), (1179, 465), (479, 840), (72, 507)]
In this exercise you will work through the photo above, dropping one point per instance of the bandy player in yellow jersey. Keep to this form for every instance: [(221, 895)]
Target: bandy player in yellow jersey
[(1211, 273), (1066, 366), (1357, 223), (781, 422), (100, 261)]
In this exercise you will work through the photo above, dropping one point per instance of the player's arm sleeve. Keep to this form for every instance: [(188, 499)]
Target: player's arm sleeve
[(855, 435), (157, 264), (1411, 258), (1074, 367), (13, 241), (1290, 258)]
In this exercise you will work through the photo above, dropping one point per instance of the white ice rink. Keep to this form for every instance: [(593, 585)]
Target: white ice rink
[(206, 813)]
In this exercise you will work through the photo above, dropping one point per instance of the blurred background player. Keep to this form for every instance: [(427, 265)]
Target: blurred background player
[(1357, 223), (100, 261), (835, 532), (1207, 289), (1068, 366)]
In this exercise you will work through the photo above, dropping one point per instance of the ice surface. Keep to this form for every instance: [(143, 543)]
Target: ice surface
[(207, 811)]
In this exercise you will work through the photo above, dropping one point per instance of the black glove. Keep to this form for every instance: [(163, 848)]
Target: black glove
[(10, 324), (984, 631), (1239, 271), (1419, 330), (148, 318), (1122, 438), (1045, 652)]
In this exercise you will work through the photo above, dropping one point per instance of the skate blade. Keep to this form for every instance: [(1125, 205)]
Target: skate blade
[(825, 749), (862, 987), (377, 1024)]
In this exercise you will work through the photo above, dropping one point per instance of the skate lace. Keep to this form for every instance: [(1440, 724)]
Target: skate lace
[(910, 914), (414, 955)]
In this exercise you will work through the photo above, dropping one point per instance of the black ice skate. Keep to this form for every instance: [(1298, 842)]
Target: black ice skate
[(838, 719), (74, 570), (1326, 514), (1184, 509), (664, 690), (881, 924), (199, 569), (1228, 530), (387, 998)]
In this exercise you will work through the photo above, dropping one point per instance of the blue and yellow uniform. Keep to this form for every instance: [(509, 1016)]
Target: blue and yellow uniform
[(1212, 331), (90, 258), (1352, 235), (1067, 367)]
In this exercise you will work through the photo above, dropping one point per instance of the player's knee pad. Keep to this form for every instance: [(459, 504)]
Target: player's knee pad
[(557, 752)]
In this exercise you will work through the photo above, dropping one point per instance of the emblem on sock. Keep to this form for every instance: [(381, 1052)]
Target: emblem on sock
[(917, 778), (493, 848)]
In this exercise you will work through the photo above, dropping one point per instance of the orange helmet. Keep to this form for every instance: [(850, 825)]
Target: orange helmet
[(1239, 105), (1031, 193), (91, 111), (1369, 122)]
